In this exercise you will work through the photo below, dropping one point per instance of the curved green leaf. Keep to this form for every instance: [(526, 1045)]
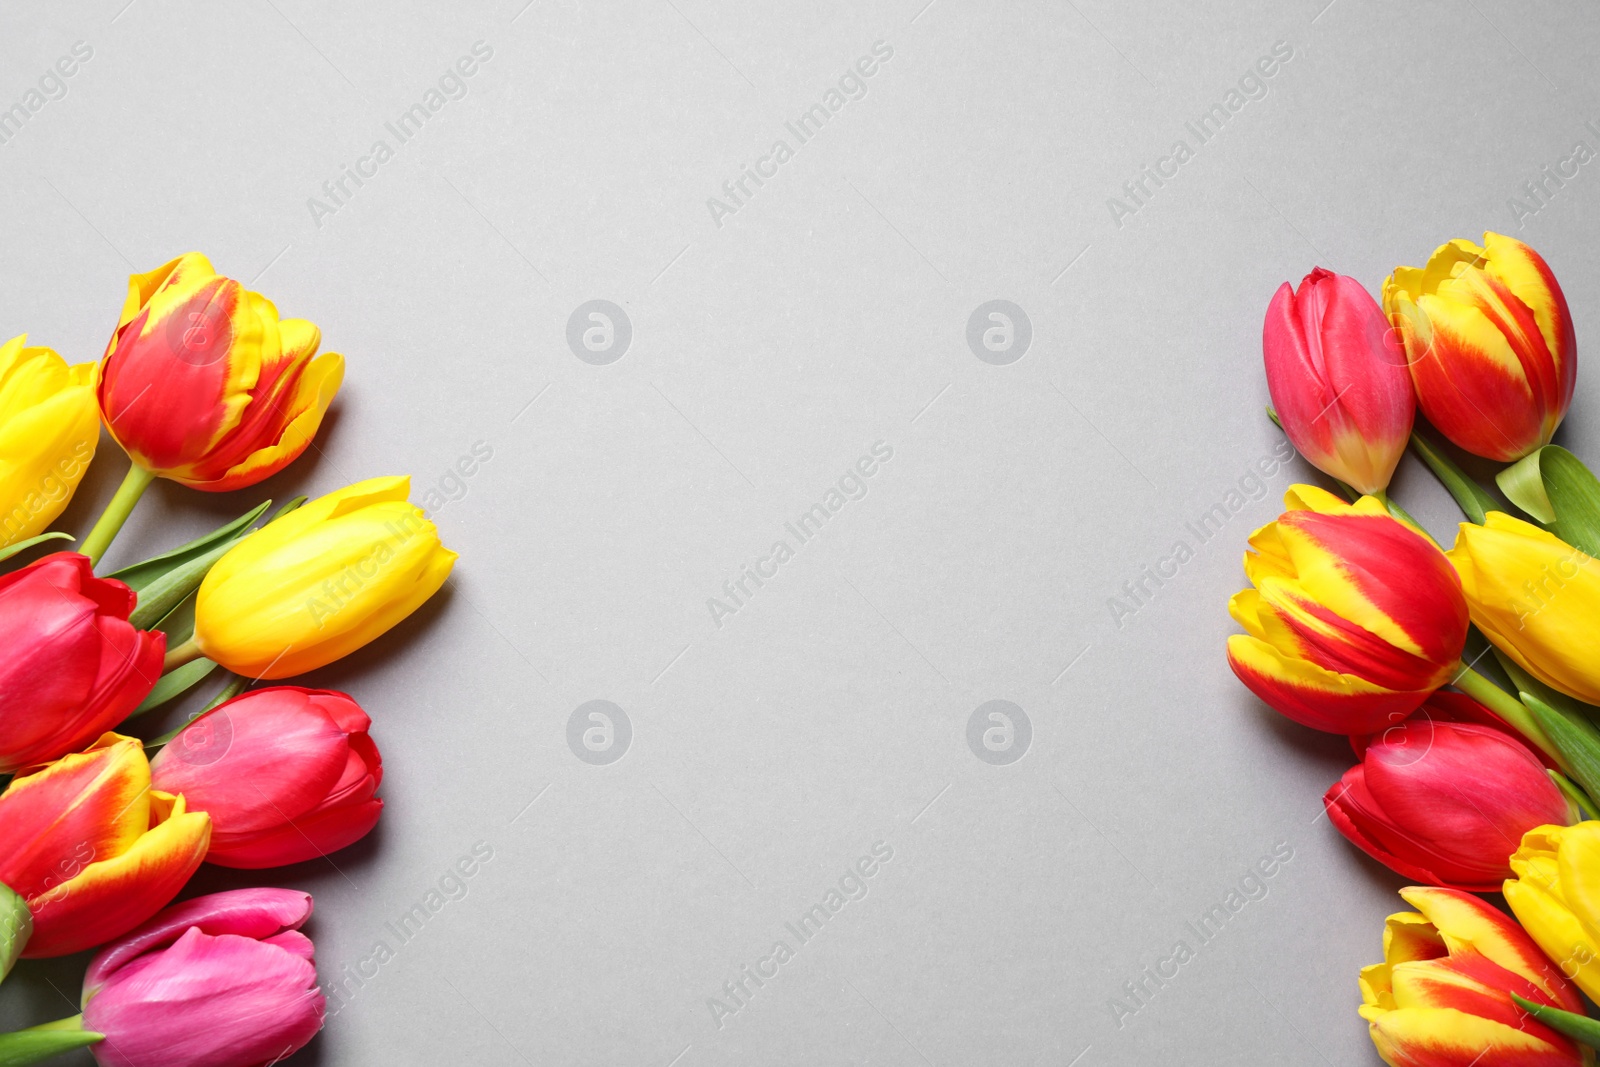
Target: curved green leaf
[(1578, 1027), (16, 926), (162, 582), (21, 546)]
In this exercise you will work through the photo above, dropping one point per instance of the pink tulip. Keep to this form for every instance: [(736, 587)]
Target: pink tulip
[(1338, 379), (225, 980), (287, 774)]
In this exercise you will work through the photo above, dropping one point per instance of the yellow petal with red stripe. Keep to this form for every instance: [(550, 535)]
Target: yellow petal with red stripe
[(1443, 1037)]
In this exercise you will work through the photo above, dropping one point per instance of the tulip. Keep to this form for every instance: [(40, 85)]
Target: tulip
[(319, 583), (1556, 897), (226, 980), (1489, 342), (49, 426), (1354, 620), (1338, 379), (1445, 802), (92, 848), (73, 667), (204, 384), (286, 774), (1442, 995), (1536, 597)]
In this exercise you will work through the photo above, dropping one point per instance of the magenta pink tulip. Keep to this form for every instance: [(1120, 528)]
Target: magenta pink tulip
[(287, 774), (1338, 378), (225, 980)]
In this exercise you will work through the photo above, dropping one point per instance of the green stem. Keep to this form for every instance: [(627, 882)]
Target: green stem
[(239, 684), (39, 1043), (184, 653), (1402, 514), (1474, 501), (116, 513), (1506, 706)]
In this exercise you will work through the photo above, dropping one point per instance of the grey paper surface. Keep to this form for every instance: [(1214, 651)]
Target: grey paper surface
[(834, 313)]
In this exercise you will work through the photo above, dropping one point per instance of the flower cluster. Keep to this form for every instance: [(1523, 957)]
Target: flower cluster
[(100, 829), (1357, 622)]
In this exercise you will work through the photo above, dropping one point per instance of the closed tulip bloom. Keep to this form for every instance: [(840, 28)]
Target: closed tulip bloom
[(202, 383), (226, 980), (286, 774), (1445, 803), (92, 848), (1338, 379), (1556, 897), (1490, 344), (1442, 995), (1536, 597), (320, 582), (73, 667), (49, 426), (1354, 620)]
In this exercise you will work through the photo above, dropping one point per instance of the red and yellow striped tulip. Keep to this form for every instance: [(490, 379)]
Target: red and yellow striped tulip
[(1490, 344), (1442, 995), (92, 848), (1355, 618), (202, 383)]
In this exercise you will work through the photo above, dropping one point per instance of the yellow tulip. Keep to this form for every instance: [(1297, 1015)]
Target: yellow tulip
[(319, 583), (49, 426), (1536, 597), (1556, 897)]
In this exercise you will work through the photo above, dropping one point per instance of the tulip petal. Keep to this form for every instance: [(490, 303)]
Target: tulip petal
[(1314, 696)]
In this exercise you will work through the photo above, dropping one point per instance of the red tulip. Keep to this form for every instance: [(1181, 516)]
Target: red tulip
[(1444, 802), (225, 980), (72, 666), (1338, 379), (287, 774)]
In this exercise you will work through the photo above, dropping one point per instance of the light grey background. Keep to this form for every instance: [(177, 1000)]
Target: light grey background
[(768, 354)]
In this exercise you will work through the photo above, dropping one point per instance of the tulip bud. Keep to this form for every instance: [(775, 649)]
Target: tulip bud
[(1442, 995), (1354, 620), (1556, 897), (225, 980), (1407, 806), (73, 667), (204, 384), (1490, 344), (286, 774), (1338, 379), (1535, 597), (92, 848), (320, 582), (49, 427)]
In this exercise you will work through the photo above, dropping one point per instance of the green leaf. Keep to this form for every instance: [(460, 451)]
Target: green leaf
[(1578, 1027), (1578, 797), (175, 683), (1574, 736), (16, 926), (163, 581), (40, 1043), (1473, 499), (21, 546), (1556, 488)]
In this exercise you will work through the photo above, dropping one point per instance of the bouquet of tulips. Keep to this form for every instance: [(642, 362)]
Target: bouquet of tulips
[(1467, 678), (201, 383)]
